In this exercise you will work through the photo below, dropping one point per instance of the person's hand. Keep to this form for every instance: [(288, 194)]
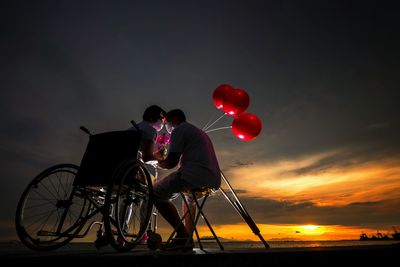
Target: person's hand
[(159, 155), (161, 164)]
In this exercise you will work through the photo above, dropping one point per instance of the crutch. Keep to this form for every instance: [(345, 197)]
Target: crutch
[(238, 206)]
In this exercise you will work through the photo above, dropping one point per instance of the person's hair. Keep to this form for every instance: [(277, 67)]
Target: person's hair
[(175, 113), (153, 113)]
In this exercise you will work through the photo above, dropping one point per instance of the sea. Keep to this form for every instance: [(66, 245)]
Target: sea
[(299, 244)]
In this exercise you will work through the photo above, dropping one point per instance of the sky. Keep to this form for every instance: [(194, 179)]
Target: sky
[(322, 76)]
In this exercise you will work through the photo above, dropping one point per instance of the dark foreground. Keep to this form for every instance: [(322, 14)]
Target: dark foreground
[(86, 254)]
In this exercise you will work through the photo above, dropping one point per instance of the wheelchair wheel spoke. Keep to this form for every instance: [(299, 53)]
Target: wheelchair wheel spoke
[(49, 207), (129, 190), (54, 188), (49, 200), (42, 215), (62, 187), (37, 205)]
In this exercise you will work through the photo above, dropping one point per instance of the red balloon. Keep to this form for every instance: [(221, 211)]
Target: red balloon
[(246, 126), (236, 102), (220, 94)]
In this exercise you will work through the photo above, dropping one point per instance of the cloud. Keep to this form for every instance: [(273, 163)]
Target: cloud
[(335, 187), (268, 211), (332, 178), (239, 163)]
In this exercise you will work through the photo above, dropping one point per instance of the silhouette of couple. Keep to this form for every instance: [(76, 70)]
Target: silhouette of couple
[(191, 149)]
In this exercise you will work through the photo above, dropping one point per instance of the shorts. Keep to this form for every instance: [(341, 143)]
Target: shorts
[(165, 188)]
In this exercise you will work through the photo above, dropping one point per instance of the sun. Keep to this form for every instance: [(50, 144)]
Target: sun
[(309, 227)]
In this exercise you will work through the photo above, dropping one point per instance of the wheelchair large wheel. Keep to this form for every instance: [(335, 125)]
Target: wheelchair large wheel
[(50, 211), (129, 203)]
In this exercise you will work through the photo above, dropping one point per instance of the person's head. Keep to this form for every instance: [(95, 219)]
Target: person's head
[(154, 115), (173, 118)]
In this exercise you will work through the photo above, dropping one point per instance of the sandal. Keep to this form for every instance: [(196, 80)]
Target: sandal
[(179, 244)]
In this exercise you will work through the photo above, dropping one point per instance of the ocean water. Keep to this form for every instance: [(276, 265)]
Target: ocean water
[(299, 244)]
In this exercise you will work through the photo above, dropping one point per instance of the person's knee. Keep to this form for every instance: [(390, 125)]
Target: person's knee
[(167, 188), (160, 194)]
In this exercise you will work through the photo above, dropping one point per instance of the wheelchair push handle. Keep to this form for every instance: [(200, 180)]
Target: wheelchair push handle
[(135, 125), (83, 128)]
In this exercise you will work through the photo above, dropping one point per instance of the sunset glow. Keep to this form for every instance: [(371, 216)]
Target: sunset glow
[(306, 180), (240, 232), (328, 186), (289, 232), (309, 227)]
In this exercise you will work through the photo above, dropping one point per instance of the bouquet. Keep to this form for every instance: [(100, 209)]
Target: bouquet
[(162, 142)]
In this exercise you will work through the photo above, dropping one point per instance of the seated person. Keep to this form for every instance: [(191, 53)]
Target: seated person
[(198, 167), (151, 124)]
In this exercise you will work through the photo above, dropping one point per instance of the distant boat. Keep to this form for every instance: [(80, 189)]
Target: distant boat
[(379, 236)]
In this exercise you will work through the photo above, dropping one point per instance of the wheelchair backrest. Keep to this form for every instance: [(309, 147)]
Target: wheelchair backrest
[(104, 152)]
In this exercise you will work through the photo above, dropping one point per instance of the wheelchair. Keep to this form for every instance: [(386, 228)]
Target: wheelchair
[(65, 201)]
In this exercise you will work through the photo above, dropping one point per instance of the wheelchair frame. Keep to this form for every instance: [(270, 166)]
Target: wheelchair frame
[(127, 179)]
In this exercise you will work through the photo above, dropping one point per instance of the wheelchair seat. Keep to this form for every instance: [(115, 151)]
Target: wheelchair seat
[(104, 153)]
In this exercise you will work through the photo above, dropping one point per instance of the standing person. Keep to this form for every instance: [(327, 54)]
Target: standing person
[(198, 167)]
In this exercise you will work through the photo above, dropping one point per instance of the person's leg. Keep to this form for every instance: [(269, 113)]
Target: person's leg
[(171, 215), (163, 191), (188, 218)]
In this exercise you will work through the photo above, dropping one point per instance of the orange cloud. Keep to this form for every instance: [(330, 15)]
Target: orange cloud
[(331, 186)]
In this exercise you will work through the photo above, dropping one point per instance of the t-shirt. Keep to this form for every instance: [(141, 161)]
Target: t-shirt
[(148, 133), (198, 164)]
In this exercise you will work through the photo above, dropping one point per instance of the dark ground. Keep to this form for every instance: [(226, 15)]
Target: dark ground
[(86, 254)]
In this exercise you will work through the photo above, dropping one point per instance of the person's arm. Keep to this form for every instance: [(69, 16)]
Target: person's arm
[(148, 150), (171, 160), (176, 148)]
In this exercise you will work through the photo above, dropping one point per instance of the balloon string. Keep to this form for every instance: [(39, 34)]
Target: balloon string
[(209, 126), (217, 129), (209, 121)]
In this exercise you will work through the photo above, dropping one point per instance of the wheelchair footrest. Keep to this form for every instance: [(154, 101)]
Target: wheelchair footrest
[(48, 233)]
